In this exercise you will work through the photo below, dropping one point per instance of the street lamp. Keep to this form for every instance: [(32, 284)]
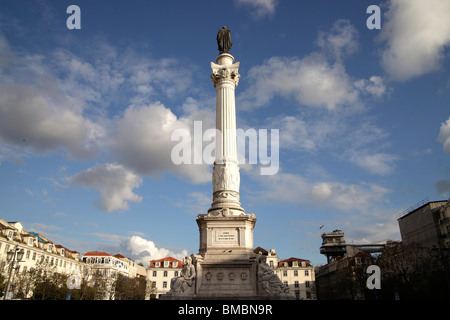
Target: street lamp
[(14, 256)]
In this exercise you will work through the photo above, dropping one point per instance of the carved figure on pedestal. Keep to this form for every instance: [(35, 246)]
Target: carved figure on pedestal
[(186, 280), (226, 177), (268, 280)]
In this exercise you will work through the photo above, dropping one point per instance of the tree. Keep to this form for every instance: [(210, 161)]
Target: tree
[(48, 284), (412, 272), (130, 288)]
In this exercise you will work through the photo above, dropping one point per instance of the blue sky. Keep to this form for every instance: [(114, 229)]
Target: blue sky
[(86, 118)]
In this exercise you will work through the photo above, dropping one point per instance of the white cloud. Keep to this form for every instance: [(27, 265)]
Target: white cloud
[(416, 33), (341, 40), (443, 186), (294, 133), (444, 136), (295, 189), (317, 80), (142, 250), (311, 81), (114, 182), (142, 141), (374, 86), (60, 101), (30, 119), (261, 7), (377, 163), (197, 202), (6, 55)]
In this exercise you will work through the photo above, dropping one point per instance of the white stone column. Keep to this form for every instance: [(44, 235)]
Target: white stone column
[(226, 176)]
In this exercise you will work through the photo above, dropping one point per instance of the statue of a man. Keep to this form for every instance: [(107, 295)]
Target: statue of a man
[(224, 40)]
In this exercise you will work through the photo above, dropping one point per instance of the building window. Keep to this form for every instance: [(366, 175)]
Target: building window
[(157, 264), (30, 242), (307, 283), (154, 273), (296, 284), (306, 272), (165, 284), (34, 256), (174, 264), (165, 274), (295, 273), (176, 273), (271, 263), (285, 273), (28, 254), (308, 295), (166, 264)]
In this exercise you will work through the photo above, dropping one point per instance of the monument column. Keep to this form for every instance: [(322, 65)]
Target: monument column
[(226, 266), (226, 225), (226, 177)]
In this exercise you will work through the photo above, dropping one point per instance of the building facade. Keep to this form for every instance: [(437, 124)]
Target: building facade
[(299, 276), (427, 225), (37, 250), (344, 276), (104, 269), (159, 274)]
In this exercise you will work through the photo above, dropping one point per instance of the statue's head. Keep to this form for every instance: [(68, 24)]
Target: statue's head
[(262, 258)]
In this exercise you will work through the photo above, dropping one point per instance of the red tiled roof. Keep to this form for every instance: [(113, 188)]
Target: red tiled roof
[(97, 253), (291, 259), (152, 262)]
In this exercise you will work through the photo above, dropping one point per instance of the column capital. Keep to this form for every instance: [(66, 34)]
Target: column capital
[(225, 73)]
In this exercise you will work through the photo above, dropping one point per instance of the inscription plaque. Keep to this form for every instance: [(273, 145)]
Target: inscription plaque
[(228, 236)]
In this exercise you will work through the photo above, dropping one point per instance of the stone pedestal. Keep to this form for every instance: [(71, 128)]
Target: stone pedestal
[(226, 263)]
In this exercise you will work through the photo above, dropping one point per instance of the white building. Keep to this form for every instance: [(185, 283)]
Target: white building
[(36, 248), (104, 269), (159, 274), (299, 276)]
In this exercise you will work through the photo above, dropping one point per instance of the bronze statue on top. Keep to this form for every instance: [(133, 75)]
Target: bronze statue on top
[(224, 40)]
